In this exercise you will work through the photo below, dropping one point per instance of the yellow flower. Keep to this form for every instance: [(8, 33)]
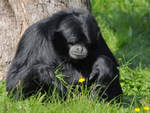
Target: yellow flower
[(146, 108), (81, 79), (119, 59), (18, 84), (137, 109)]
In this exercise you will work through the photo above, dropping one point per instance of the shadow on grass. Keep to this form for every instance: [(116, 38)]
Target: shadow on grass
[(131, 101)]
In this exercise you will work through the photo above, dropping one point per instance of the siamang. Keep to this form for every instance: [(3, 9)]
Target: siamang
[(69, 39)]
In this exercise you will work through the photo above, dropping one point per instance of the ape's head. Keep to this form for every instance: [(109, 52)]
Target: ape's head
[(75, 35)]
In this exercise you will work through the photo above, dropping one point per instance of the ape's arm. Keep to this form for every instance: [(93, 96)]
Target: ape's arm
[(32, 64), (30, 80), (106, 75)]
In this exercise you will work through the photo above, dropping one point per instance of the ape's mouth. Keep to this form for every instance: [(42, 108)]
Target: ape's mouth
[(77, 56), (78, 51)]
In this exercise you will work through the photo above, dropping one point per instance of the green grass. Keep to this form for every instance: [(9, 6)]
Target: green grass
[(125, 25)]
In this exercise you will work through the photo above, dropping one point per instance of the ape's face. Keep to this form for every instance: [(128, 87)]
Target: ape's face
[(76, 39), (73, 39)]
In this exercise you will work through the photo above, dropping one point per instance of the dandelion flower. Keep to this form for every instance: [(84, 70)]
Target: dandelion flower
[(81, 79), (119, 59), (18, 84), (137, 109), (146, 108)]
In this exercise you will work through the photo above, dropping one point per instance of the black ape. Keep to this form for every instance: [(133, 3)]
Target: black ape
[(70, 38)]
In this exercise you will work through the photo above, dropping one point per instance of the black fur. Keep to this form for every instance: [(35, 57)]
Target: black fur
[(45, 45)]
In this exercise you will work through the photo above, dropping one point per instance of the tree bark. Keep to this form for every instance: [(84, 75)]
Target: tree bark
[(17, 15)]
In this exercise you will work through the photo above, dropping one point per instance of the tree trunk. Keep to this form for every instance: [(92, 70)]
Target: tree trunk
[(17, 15)]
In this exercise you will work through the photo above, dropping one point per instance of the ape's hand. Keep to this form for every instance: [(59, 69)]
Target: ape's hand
[(103, 71), (106, 76), (45, 75)]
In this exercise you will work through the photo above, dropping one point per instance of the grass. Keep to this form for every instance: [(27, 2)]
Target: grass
[(125, 26)]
